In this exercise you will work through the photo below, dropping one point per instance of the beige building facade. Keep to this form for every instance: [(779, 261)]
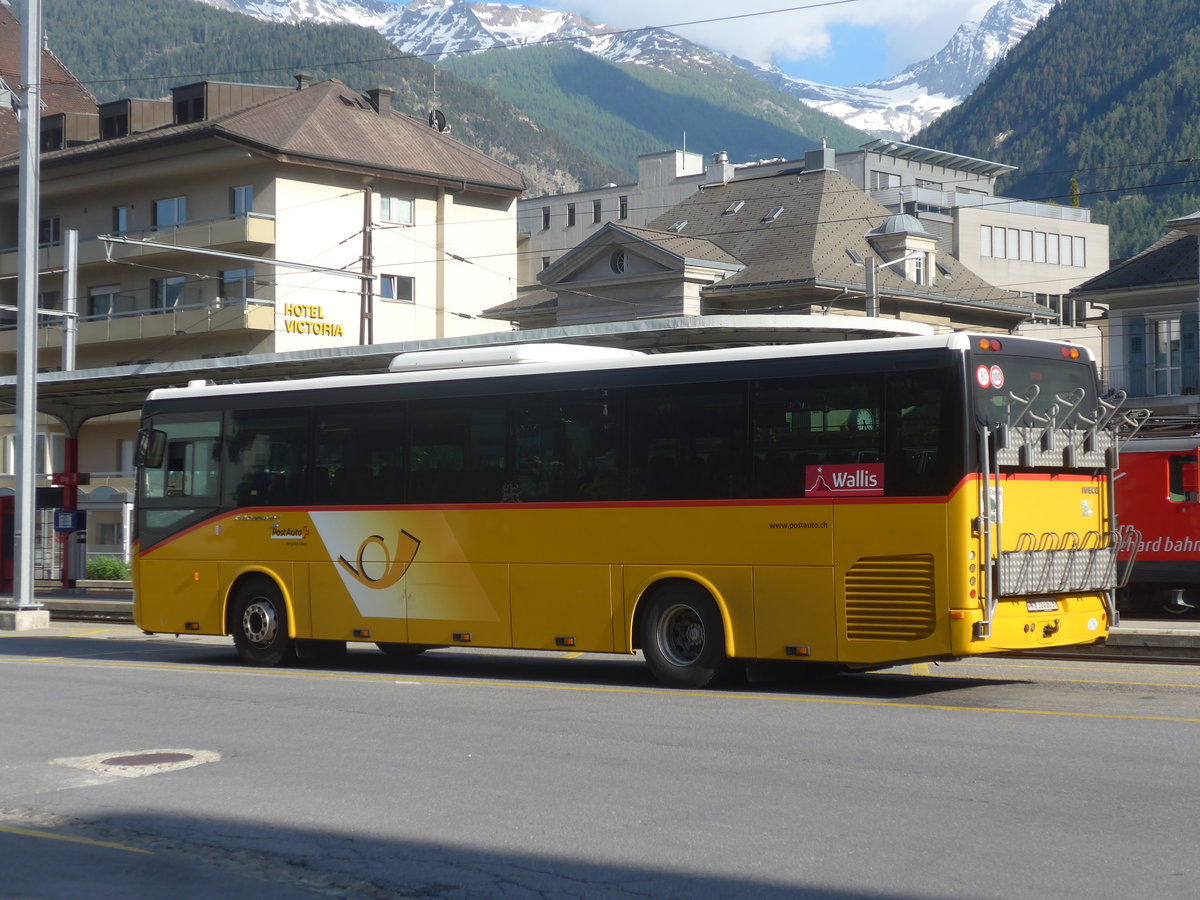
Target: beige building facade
[(246, 220)]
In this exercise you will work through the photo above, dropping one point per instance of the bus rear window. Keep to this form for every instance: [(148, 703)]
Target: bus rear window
[(1019, 390)]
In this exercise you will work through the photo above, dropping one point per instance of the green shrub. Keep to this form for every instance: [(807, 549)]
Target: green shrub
[(108, 568)]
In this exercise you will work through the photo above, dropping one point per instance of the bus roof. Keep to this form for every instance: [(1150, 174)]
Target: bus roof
[(527, 359)]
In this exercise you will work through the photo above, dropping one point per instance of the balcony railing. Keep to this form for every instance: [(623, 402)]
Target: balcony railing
[(154, 322), (1150, 382), (896, 198), (245, 230)]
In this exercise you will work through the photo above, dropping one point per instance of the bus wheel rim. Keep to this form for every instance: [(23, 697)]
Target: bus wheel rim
[(260, 623), (681, 635)]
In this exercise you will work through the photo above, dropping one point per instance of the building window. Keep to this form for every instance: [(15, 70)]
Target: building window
[(545, 263), (596, 212), (918, 268), (397, 210), (1027, 246), (617, 262), (884, 181), (929, 185), (998, 245), (570, 215), (398, 288), (734, 207), (1165, 335), (1078, 256), (49, 231), (623, 207), (1039, 246), (237, 284), (1014, 243), (168, 292), (120, 219), (104, 300), (545, 218), (170, 213), (241, 200), (1052, 249), (985, 240), (1064, 250)]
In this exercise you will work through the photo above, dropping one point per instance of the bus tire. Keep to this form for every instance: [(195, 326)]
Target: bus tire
[(683, 637), (259, 623)]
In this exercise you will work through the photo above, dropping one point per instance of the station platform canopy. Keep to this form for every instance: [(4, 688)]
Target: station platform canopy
[(77, 396)]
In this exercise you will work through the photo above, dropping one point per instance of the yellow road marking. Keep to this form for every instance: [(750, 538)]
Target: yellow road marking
[(50, 836), (598, 689), (75, 634), (573, 655)]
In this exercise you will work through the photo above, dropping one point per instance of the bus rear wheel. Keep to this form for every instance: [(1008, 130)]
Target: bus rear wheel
[(683, 638), (260, 625)]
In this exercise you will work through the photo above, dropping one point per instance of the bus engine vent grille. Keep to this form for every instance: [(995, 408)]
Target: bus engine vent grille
[(890, 598)]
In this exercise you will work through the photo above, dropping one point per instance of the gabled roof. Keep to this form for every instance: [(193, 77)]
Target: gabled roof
[(328, 125), (1171, 260), (60, 90)]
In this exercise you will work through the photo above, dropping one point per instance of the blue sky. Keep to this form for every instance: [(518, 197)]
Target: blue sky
[(847, 42)]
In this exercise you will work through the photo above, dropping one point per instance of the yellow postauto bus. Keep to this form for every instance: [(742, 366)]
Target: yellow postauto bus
[(856, 504)]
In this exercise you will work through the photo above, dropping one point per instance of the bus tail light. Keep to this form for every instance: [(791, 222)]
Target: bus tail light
[(191, 626), (462, 637), (564, 642), (957, 614), (362, 633), (793, 650), (990, 344)]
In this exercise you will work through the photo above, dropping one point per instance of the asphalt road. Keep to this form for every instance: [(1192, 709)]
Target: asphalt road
[(137, 766)]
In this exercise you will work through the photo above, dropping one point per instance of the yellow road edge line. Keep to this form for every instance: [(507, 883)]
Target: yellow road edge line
[(51, 836), (666, 692)]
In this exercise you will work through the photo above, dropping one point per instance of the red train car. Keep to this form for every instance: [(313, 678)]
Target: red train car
[(1156, 494)]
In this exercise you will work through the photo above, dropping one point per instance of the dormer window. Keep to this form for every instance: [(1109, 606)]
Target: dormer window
[(774, 214), (733, 207), (678, 226)]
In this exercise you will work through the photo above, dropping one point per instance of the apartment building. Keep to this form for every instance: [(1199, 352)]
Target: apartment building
[(235, 220), (1040, 250), (1153, 326)]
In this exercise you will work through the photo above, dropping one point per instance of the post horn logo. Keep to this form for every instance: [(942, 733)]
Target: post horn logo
[(393, 567)]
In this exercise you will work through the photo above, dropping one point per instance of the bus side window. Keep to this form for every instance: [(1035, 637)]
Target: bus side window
[(921, 421), (266, 458), (187, 465), (459, 451), (1181, 478), (687, 442), (802, 422)]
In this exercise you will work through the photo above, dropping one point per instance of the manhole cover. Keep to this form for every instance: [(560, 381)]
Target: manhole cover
[(134, 763)]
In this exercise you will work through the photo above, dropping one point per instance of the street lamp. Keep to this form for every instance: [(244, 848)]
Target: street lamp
[(873, 267)]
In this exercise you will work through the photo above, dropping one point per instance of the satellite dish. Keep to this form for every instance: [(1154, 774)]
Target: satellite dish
[(438, 120)]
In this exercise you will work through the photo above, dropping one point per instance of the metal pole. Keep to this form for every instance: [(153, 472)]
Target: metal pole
[(27, 280), (872, 289), (70, 298), (366, 324)]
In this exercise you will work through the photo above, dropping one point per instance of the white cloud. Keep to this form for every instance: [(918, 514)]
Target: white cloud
[(913, 30)]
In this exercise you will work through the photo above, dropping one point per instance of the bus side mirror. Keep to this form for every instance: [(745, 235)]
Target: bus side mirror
[(151, 446)]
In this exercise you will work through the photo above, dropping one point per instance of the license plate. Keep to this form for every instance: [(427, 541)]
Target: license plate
[(1041, 605)]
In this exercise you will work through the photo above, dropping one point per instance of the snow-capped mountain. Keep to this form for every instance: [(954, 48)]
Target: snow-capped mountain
[(900, 106), (366, 13), (896, 107)]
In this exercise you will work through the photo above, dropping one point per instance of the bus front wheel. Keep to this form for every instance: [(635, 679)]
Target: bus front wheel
[(259, 624), (683, 638)]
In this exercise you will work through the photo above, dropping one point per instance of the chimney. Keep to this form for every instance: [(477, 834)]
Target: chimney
[(823, 159), (302, 80), (381, 99), (720, 170)]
